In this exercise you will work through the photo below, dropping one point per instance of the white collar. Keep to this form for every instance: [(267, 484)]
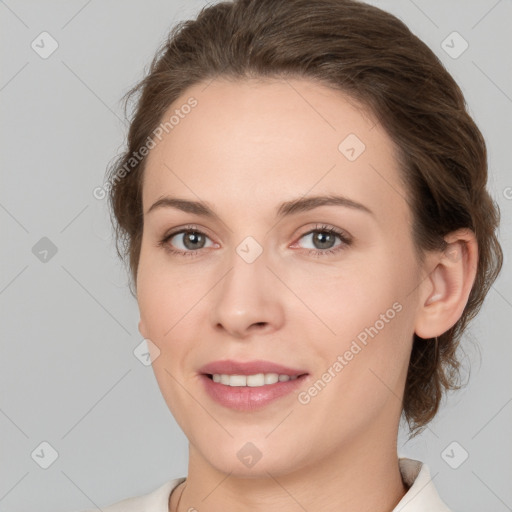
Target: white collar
[(422, 495)]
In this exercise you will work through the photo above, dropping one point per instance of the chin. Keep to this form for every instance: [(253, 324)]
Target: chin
[(256, 458)]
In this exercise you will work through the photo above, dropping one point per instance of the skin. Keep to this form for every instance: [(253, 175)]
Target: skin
[(244, 149)]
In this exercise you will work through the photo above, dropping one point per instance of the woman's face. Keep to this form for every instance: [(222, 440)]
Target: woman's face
[(256, 280)]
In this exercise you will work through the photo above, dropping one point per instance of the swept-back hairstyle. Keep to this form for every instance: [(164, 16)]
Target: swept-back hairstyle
[(372, 57)]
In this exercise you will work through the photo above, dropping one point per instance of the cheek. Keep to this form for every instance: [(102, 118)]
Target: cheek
[(350, 298), (163, 303), (370, 361), (155, 311), (370, 312), (164, 296)]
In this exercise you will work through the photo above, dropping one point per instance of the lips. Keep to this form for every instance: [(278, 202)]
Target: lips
[(231, 367), (250, 399)]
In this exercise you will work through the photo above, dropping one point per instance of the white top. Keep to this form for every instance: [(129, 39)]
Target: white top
[(421, 497)]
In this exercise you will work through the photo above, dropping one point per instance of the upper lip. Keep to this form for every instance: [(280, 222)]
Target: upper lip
[(231, 367)]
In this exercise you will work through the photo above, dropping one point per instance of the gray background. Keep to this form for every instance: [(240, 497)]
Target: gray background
[(68, 373)]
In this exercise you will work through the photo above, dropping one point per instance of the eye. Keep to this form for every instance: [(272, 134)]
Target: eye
[(189, 241), (323, 239)]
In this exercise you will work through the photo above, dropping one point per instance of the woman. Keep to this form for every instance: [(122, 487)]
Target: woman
[(302, 204)]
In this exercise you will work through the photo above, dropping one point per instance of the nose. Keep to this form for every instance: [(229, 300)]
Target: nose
[(248, 300)]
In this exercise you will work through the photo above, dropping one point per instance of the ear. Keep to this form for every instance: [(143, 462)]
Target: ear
[(142, 329), (445, 292)]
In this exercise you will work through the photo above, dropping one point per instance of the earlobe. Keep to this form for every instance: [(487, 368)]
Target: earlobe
[(446, 290), (142, 329)]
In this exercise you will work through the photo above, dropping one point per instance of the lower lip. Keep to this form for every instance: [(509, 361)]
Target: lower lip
[(247, 398)]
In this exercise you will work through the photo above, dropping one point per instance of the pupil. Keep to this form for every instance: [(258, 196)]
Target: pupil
[(322, 237), (191, 237)]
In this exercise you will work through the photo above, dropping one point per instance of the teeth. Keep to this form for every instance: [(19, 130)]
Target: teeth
[(259, 379)]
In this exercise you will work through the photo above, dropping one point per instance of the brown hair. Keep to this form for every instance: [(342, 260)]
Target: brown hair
[(371, 56)]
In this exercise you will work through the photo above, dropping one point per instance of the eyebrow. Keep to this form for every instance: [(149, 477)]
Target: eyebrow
[(287, 208)]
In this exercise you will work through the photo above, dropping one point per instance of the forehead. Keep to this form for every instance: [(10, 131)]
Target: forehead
[(251, 144)]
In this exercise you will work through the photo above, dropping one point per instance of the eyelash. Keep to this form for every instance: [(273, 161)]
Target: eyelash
[(345, 239)]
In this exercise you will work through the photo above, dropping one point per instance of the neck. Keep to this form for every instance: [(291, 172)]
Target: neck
[(361, 475)]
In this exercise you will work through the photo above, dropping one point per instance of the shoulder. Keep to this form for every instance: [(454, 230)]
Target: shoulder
[(422, 495), (154, 501)]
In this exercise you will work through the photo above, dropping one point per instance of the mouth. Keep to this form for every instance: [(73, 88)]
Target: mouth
[(254, 380), (249, 369), (250, 393)]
